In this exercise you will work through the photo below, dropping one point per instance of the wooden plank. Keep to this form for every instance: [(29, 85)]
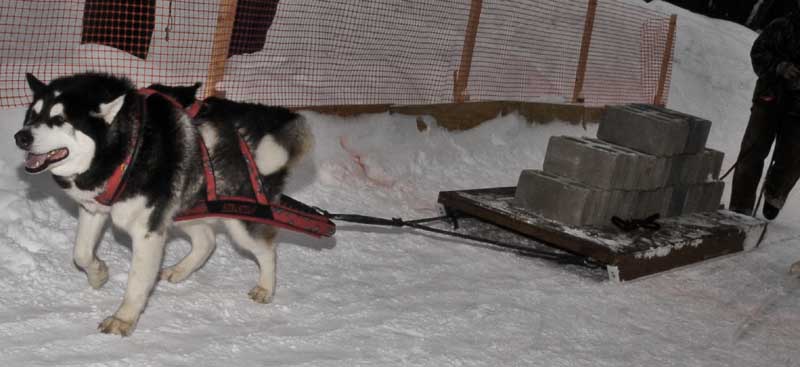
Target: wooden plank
[(461, 77), (464, 116), (552, 236), (583, 58), (629, 255), (666, 62), (226, 15), (721, 241), (346, 110)]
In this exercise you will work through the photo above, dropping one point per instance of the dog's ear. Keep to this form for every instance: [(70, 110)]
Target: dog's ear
[(108, 111), (36, 85), (196, 86)]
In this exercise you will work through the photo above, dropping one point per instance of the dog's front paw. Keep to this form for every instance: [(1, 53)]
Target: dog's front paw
[(173, 274), (260, 295), (113, 325), (98, 274)]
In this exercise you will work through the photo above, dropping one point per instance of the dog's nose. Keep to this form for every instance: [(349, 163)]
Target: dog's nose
[(24, 139)]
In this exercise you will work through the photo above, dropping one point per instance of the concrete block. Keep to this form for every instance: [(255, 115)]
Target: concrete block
[(712, 196), (689, 169), (712, 165), (645, 172), (701, 197), (684, 169), (604, 165), (651, 202), (654, 130), (678, 200), (563, 200)]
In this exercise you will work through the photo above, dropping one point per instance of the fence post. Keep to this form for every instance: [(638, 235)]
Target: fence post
[(666, 62), (461, 77), (226, 15), (580, 74)]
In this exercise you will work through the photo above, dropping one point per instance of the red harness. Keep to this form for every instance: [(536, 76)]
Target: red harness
[(285, 212)]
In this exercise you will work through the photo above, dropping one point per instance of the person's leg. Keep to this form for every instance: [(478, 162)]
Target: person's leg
[(785, 169), (756, 144)]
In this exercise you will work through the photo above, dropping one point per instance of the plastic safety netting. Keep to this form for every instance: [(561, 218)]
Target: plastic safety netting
[(311, 52)]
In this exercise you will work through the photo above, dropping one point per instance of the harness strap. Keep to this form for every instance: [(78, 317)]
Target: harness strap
[(286, 212), (194, 109), (208, 171), (252, 170), (116, 183), (191, 111)]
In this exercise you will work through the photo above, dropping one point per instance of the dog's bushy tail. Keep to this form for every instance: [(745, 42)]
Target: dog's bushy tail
[(299, 139), (283, 148)]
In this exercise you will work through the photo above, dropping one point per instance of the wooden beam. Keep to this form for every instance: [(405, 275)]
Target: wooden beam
[(666, 62), (461, 77), (346, 110), (226, 15), (464, 116), (586, 42)]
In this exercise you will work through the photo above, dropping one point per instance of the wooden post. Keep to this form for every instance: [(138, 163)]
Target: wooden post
[(580, 74), (666, 62), (461, 76), (222, 41)]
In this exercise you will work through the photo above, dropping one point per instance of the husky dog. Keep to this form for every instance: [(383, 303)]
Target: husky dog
[(80, 128)]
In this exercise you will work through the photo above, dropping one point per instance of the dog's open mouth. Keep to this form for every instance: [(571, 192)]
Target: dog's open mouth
[(35, 163)]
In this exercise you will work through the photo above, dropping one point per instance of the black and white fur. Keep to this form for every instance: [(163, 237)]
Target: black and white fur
[(90, 116)]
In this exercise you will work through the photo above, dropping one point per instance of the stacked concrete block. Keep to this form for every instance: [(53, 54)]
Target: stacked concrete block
[(602, 164), (694, 168), (564, 200), (696, 198), (647, 160), (712, 165), (649, 203), (684, 169), (654, 130)]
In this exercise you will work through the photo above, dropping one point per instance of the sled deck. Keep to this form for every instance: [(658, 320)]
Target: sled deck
[(680, 241)]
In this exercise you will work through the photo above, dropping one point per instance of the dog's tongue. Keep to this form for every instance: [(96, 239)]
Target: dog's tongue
[(34, 161)]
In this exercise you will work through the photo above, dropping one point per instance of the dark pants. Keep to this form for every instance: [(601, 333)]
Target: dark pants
[(768, 123)]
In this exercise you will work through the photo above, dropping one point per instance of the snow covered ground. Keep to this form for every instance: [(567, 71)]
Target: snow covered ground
[(373, 296)]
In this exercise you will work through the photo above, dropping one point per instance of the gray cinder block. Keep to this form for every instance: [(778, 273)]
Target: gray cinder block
[(701, 197), (654, 130), (688, 169), (684, 169), (563, 200), (652, 202), (712, 165), (712, 195), (604, 165), (678, 200)]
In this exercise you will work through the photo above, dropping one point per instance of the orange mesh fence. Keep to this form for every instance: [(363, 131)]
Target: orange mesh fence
[(310, 52)]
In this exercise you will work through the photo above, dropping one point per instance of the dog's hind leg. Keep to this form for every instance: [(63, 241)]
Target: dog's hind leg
[(203, 244), (259, 241), (90, 227)]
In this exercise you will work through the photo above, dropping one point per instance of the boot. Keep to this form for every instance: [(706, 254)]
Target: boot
[(769, 211)]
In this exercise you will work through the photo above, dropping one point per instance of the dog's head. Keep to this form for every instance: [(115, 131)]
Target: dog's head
[(66, 120)]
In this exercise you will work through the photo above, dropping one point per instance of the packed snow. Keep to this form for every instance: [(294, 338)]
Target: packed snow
[(387, 297)]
